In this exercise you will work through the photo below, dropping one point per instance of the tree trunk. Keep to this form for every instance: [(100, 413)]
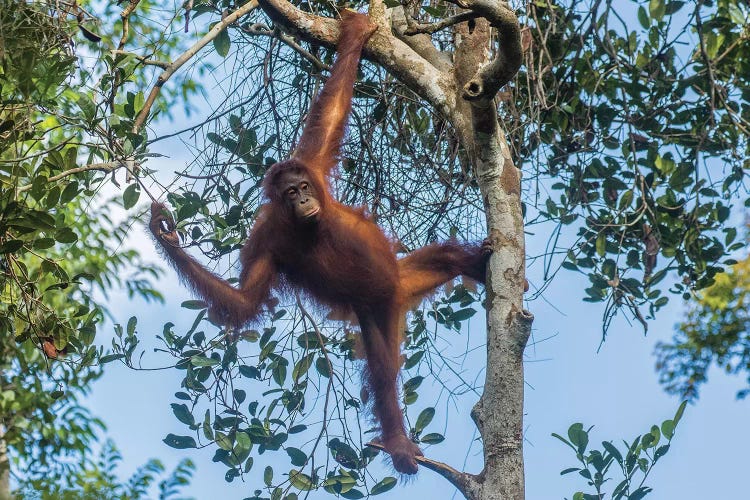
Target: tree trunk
[(4, 467), (499, 412)]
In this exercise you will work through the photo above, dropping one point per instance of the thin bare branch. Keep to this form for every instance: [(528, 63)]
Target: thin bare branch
[(143, 59), (387, 50), (186, 56), (102, 167), (415, 29), (460, 480), (125, 16), (260, 29)]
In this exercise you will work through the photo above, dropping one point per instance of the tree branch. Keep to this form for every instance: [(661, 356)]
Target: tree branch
[(259, 29), (387, 50), (439, 25), (125, 16), (143, 59), (186, 56), (420, 43), (460, 480), (102, 167), (488, 80)]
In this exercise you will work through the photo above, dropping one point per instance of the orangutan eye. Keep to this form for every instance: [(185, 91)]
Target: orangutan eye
[(304, 186)]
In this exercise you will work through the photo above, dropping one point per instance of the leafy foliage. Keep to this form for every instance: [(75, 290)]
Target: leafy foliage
[(644, 133), (59, 245), (634, 462), (637, 134), (98, 481), (640, 153), (716, 331), (280, 367)]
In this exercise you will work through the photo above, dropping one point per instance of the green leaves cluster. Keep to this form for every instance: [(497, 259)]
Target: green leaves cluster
[(633, 462), (60, 249), (97, 480), (646, 155), (249, 398), (716, 331)]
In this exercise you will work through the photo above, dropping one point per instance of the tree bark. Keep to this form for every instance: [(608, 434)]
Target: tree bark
[(4, 467)]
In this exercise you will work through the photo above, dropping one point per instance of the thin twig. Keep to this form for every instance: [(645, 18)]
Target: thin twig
[(125, 16), (415, 29), (102, 167), (143, 59), (259, 29), (186, 56)]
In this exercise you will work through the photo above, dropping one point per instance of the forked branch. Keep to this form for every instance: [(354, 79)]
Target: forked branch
[(490, 77)]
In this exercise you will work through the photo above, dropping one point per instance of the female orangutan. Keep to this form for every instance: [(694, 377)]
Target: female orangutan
[(332, 251)]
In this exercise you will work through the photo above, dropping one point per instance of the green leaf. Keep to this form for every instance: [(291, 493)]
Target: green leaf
[(243, 441), (386, 484), (578, 436), (311, 340), (194, 304), (463, 314), (612, 451), (203, 361), (343, 453), (70, 192), (412, 360), (413, 383), (109, 358), (680, 411), (222, 43), (130, 196), (301, 367), (432, 438), (207, 431), (643, 17), (179, 442), (625, 200), (640, 493), (353, 494), (183, 414), (656, 8), (43, 243), (424, 419), (66, 235), (11, 246), (297, 456), (279, 374), (601, 244), (323, 367), (132, 323), (667, 428), (301, 481)]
